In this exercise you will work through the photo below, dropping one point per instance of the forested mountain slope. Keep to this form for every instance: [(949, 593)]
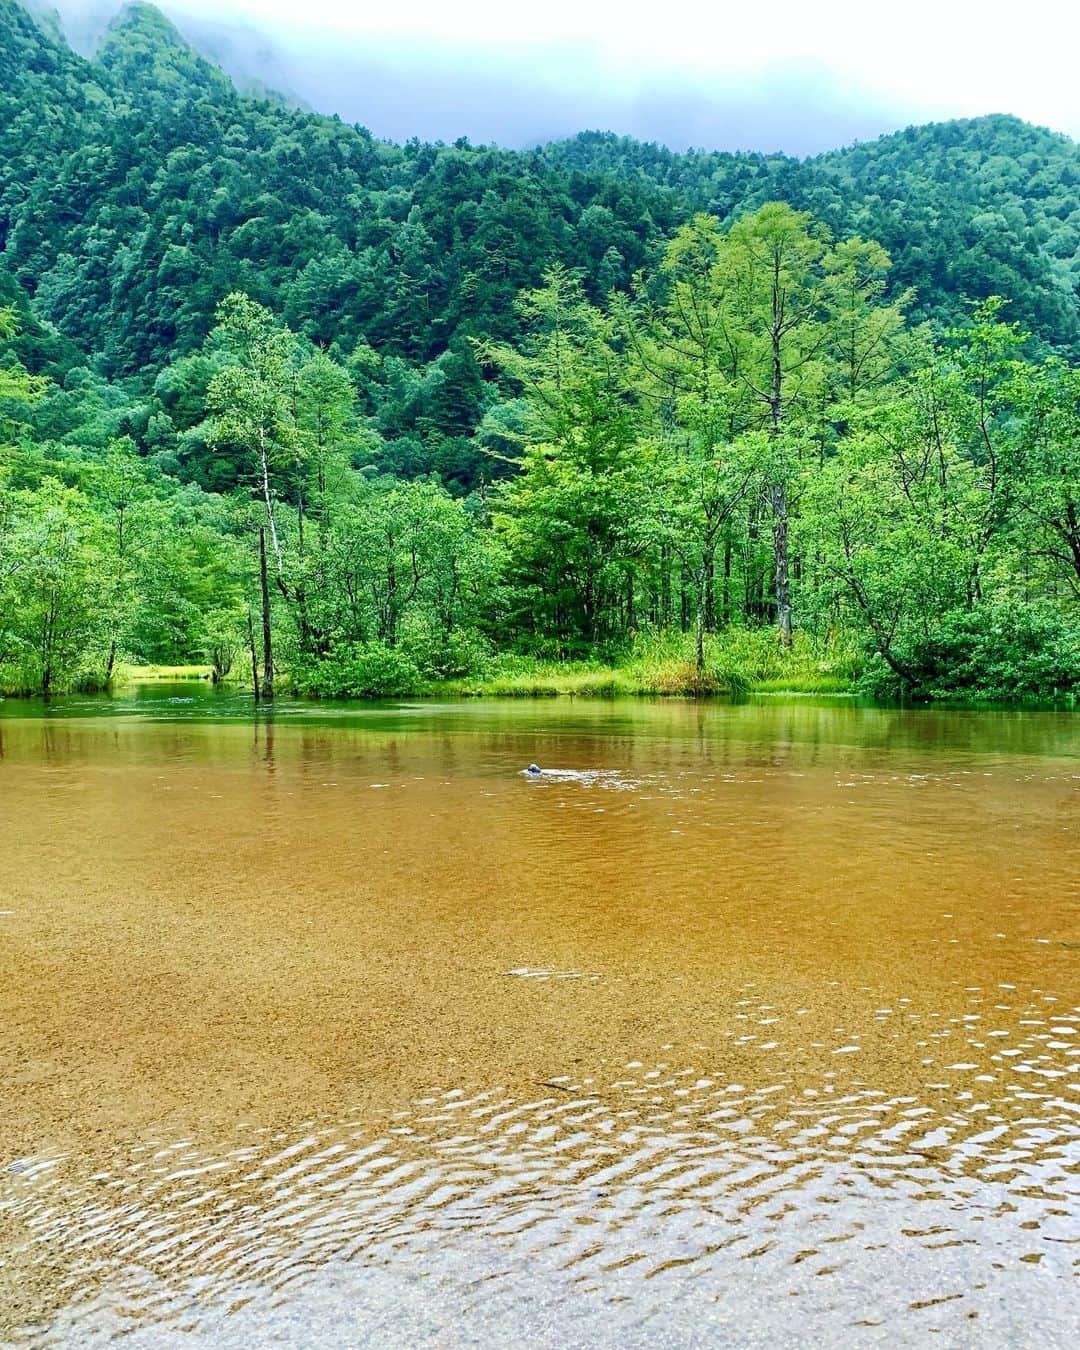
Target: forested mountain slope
[(966, 209), (138, 189), (163, 190)]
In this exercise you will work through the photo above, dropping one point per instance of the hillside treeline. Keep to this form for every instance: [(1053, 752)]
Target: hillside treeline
[(751, 458)]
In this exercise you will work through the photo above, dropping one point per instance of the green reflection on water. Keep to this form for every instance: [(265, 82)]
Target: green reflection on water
[(760, 719)]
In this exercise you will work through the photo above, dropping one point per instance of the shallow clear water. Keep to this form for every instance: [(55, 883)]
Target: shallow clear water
[(759, 1025)]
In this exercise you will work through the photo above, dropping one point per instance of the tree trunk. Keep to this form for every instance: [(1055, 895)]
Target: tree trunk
[(754, 604), (710, 588), (778, 495), (778, 492), (727, 579), (264, 463), (268, 652), (254, 655)]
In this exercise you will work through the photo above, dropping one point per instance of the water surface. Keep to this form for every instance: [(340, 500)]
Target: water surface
[(331, 1027)]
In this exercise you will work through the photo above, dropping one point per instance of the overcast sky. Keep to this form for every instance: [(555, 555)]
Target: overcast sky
[(790, 75)]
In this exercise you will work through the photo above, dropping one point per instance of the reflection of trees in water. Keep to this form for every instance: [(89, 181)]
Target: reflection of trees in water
[(627, 735), (262, 730)]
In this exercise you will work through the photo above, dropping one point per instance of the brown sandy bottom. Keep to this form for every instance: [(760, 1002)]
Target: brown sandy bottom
[(760, 1030)]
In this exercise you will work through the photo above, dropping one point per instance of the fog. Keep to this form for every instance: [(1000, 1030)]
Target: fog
[(802, 80)]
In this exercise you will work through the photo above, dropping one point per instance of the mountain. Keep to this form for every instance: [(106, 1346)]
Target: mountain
[(966, 209), (139, 187), (247, 56)]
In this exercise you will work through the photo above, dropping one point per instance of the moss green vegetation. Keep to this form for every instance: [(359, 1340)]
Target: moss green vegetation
[(127, 674), (737, 662), (327, 414)]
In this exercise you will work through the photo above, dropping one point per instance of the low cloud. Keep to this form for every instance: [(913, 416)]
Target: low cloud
[(519, 92)]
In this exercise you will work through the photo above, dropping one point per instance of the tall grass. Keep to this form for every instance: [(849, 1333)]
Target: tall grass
[(132, 674), (663, 663), (737, 662)]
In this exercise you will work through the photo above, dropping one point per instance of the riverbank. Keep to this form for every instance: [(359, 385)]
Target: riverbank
[(556, 680), (673, 681), (559, 680), (737, 662), (130, 674)]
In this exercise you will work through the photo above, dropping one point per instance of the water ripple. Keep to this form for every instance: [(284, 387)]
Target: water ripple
[(652, 1186)]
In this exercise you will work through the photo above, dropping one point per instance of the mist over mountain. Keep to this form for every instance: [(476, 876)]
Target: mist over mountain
[(251, 59), (137, 187), (522, 92)]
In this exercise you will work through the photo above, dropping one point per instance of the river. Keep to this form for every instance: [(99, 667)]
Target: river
[(750, 1025)]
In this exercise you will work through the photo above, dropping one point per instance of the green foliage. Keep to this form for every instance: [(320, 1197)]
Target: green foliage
[(997, 652), (964, 209), (439, 655), (567, 520), (361, 670), (54, 601)]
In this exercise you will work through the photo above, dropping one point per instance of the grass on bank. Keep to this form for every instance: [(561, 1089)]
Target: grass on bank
[(132, 674), (94, 680), (736, 662)]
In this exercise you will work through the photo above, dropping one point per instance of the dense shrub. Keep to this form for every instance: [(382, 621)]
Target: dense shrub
[(439, 655), (995, 652), (361, 670)]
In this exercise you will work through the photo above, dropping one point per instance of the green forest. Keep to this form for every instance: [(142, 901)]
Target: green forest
[(334, 416)]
